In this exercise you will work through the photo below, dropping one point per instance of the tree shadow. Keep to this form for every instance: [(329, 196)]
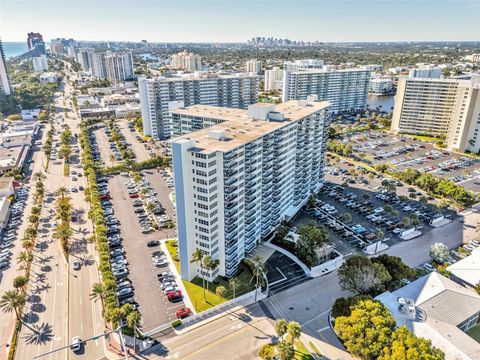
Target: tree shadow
[(40, 334), (41, 278), (46, 268), (37, 307), (34, 299), (39, 289), (44, 260), (30, 318)]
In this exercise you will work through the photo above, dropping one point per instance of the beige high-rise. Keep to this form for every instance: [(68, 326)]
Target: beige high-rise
[(447, 108)]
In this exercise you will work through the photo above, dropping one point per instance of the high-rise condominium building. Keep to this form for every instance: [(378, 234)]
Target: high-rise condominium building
[(304, 64), (347, 90), (253, 66), (237, 180), (119, 67), (40, 63), (429, 72), (273, 79), (35, 44), (448, 108), (4, 81), (187, 61), (159, 95), (380, 86)]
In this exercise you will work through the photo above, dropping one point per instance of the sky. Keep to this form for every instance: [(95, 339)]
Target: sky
[(240, 20)]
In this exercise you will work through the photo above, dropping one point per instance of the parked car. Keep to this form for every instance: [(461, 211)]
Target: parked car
[(153, 243), (183, 313)]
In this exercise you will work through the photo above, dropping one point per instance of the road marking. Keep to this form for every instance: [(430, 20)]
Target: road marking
[(173, 356), (323, 329), (235, 327), (315, 318)]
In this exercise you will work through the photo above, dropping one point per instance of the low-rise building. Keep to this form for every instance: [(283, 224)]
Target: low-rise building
[(4, 211), (440, 310), (30, 114), (7, 187), (49, 77), (40, 63), (12, 157), (467, 270), (380, 86)]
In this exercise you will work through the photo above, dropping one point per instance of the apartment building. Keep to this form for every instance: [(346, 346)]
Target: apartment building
[(273, 79), (40, 63), (448, 108), (253, 66), (427, 72), (304, 64), (236, 180), (5, 88), (119, 67), (159, 95), (187, 61), (380, 86), (346, 90)]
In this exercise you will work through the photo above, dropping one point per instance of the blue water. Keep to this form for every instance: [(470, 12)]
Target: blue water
[(14, 48)]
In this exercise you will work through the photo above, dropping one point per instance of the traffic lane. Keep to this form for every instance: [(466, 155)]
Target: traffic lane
[(237, 335), (154, 306)]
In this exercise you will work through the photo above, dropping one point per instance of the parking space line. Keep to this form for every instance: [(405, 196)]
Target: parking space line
[(323, 329)]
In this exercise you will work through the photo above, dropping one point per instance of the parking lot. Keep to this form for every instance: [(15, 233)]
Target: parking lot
[(137, 147), (403, 152), (283, 273), (135, 238)]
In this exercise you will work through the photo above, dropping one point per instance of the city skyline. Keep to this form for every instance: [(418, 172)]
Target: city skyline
[(361, 21)]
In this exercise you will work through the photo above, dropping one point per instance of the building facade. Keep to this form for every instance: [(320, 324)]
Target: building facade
[(426, 73), (380, 86), (346, 90), (253, 66), (304, 64), (273, 78), (447, 108), (159, 95), (119, 67), (236, 181), (5, 88), (40, 63), (187, 61)]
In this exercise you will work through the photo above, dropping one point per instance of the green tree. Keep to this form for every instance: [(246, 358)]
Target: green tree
[(259, 270), (210, 264), (342, 306), (267, 352), (281, 328), (360, 275), (98, 292), (20, 282), (220, 291), (286, 351), (397, 269), (233, 282), (133, 320), (439, 252), (368, 329), (294, 330), (13, 300), (197, 258)]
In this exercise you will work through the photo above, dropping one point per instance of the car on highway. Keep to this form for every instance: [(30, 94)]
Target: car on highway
[(183, 313), (76, 344), (153, 243)]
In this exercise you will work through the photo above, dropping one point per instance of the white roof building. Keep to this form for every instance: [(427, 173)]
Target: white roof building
[(467, 270), (440, 310)]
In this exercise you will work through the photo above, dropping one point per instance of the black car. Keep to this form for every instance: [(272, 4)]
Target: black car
[(153, 243)]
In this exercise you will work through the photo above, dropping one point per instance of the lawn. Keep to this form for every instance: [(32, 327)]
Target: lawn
[(475, 333), (301, 352), (195, 290)]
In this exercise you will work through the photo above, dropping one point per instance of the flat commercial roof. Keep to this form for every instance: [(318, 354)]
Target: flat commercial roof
[(238, 127)]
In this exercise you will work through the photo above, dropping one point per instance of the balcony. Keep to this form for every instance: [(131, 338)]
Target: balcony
[(230, 156), (231, 250)]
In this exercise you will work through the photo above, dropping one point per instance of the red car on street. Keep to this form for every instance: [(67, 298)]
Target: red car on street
[(132, 196), (183, 313)]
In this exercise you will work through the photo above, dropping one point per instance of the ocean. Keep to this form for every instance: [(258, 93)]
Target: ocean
[(14, 48)]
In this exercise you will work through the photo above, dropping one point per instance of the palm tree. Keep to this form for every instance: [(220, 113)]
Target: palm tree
[(280, 327), (258, 270), (62, 191), (294, 331), (20, 282), (98, 292), (133, 320), (197, 258), (233, 282), (13, 300), (379, 233), (38, 176), (220, 290), (63, 232), (210, 264), (112, 159)]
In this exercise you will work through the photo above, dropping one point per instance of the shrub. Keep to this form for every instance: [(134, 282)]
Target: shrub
[(176, 323), (267, 352)]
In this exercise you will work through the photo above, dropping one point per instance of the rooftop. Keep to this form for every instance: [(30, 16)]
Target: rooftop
[(467, 269), (239, 127)]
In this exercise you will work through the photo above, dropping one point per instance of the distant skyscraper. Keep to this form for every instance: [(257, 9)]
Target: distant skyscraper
[(119, 67), (35, 44), (253, 66), (187, 61), (236, 181), (158, 95), (273, 79), (4, 81), (346, 90), (440, 107)]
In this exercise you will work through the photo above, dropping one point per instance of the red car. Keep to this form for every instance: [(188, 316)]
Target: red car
[(132, 196), (183, 313), (174, 295), (104, 197)]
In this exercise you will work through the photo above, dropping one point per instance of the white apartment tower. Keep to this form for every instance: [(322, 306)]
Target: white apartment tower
[(253, 66), (304, 64), (159, 95), (346, 90), (119, 67), (380, 86), (237, 180), (187, 61), (97, 66), (40, 63), (447, 108), (4, 81), (273, 78), (427, 72)]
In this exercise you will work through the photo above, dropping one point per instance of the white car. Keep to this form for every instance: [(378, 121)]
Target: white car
[(76, 344)]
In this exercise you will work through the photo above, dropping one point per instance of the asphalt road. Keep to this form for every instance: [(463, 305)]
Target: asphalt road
[(137, 147)]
